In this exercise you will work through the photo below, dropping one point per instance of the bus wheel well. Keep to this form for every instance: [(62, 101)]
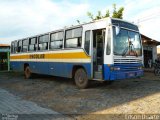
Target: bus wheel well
[(25, 65), (76, 68)]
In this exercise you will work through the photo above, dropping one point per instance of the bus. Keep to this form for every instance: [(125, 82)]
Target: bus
[(105, 50)]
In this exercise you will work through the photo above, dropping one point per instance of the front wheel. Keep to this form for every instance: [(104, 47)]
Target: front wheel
[(81, 78), (157, 72), (27, 72)]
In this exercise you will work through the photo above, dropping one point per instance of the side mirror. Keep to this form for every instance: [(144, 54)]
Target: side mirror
[(117, 30)]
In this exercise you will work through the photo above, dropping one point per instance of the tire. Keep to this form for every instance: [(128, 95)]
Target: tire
[(156, 72), (81, 78), (27, 72)]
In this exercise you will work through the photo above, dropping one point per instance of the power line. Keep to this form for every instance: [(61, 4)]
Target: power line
[(142, 19)]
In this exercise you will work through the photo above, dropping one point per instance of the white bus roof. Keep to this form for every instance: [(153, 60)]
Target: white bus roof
[(75, 26)]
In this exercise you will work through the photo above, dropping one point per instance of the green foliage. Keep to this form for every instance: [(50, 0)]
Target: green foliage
[(116, 13), (90, 15), (99, 15), (119, 13), (107, 14)]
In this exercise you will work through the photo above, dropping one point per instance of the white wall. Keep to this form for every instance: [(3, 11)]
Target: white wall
[(154, 53)]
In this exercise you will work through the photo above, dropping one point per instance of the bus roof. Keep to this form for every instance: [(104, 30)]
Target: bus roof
[(70, 27)]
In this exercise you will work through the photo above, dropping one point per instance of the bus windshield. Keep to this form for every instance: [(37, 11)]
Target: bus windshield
[(125, 42)]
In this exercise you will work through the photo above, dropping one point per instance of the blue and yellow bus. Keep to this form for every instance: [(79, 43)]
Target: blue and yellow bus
[(105, 50)]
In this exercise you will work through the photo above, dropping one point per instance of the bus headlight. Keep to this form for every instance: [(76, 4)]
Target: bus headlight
[(115, 68), (140, 68)]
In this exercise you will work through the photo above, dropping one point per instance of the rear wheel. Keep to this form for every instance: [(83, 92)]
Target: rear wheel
[(81, 78), (27, 72), (158, 72)]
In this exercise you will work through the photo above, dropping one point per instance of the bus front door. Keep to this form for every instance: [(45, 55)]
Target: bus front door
[(98, 51)]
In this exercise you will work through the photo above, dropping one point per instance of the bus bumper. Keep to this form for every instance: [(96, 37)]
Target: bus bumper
[(125, 71), (125, 75)]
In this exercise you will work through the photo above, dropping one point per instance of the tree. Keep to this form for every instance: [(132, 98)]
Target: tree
[(99, 15), (116, 13), (107, 14), (90, 15), (119, 13)]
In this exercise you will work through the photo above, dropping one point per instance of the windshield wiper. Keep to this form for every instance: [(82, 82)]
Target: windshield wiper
[(125, 51)]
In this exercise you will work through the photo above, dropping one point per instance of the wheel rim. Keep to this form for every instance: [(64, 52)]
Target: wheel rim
[(158, 73), (27, 72), (81, 79)]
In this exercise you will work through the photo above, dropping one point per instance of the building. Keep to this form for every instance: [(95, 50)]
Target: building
[(4, 57), (149, 49), (158, 52)]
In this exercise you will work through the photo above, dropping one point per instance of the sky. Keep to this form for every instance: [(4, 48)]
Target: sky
[(24, 18)]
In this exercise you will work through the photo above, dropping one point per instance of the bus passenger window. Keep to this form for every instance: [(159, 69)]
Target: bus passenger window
[(73, 38), (43, 42), (32, 44), (87, 41), (108, 50), (31, 48), (56, 40), (19, 46), (43, 46), (25, 45), (12, 47), (56, 45), (15, 46)]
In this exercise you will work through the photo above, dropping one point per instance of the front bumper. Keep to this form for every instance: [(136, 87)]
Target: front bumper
[(125, 71), (124, 75)]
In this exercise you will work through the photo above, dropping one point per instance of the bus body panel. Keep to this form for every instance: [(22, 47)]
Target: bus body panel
[(56, 64), (59, 69)]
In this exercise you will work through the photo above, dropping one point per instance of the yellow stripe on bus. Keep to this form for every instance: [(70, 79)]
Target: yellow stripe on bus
[(20, 57), (76, 55)]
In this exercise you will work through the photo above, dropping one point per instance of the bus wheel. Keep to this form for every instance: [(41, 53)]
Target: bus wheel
[(80, 78), (27, 72)]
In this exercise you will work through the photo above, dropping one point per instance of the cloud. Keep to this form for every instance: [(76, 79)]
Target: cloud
[(146, 14), (21, 18)]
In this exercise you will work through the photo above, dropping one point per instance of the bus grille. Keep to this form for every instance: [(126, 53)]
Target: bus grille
[(126, 67), (128, 64), (127, 60)]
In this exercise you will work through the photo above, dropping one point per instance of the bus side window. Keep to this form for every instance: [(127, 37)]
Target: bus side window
[(56, 40), (12, 47), (32, 44), (87, 41), (108, 51), (19, 46), (15, 47), (73, 38), (43, 42), (25, 45)]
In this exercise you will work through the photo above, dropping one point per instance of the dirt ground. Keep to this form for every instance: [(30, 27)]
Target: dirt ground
[(131, 96)]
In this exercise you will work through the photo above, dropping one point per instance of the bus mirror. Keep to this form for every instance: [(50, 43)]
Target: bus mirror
[(117, 30)]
